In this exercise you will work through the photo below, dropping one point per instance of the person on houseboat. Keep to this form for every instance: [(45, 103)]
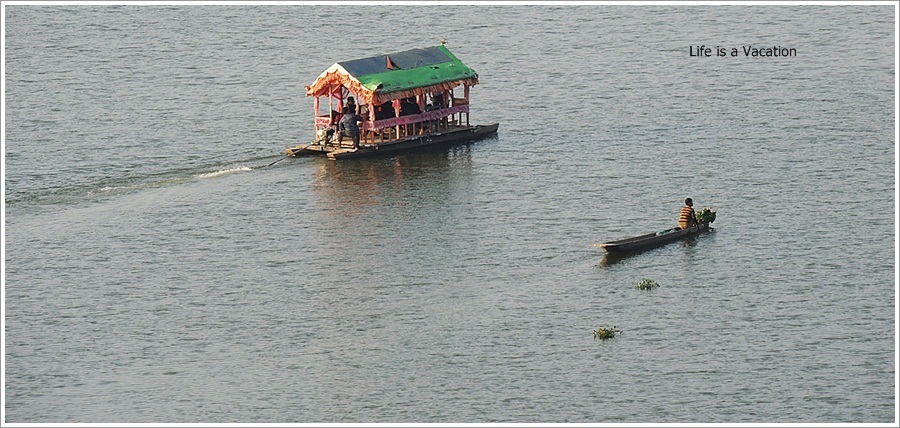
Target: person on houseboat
[(349, 128), (408, 106), (687, 214), (437, 101), (351, 103), (384, 111), (335, 118)]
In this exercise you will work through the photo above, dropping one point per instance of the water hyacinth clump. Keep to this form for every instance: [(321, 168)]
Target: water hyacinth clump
[(606, 333), (706, 214), (646, 284)]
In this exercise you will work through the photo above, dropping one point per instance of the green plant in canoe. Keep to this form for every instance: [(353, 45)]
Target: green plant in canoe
[(646, 284), (706, 214), (606, 333)]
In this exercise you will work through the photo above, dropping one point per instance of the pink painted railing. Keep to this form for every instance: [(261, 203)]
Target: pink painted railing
[(325, 121)]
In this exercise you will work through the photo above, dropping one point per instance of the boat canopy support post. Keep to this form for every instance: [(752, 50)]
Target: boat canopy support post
[(466, 97), (315, 114), (396, 105), (330, 101)]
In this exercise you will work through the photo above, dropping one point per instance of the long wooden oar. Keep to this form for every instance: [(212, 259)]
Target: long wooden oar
[(287, 156), (279, 160)]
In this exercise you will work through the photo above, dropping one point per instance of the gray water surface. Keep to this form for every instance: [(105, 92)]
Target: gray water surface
[(157, 271)]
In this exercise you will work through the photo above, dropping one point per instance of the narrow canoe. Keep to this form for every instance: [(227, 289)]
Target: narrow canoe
[(650, 240)]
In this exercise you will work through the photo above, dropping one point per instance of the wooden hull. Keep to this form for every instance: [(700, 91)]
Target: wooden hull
[(652, 240), (408, 144)]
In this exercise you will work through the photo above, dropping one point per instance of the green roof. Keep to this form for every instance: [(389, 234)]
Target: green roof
[(411, 69)]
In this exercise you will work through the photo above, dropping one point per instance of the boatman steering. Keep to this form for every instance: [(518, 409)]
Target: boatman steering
[(687, 214), (349, 128)]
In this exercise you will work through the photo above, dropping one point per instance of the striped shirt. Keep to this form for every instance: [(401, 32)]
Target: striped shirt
[(687, 216)]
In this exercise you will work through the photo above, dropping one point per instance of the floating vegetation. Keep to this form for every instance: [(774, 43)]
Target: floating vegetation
[(646, 284), (606, 333), (706, 214)]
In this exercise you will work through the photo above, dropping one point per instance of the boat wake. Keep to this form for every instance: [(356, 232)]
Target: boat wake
[(169, 179), (77, 194), (224, 172)]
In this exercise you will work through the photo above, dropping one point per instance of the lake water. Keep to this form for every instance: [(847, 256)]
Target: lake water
[(157, 271)]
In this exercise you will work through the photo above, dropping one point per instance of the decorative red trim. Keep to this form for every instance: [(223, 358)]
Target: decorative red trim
[(319, 88)]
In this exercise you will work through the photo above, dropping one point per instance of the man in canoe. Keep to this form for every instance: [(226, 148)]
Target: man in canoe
[(687, 214)]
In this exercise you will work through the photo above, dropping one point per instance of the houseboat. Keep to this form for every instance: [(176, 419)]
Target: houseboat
[(404, 101)]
